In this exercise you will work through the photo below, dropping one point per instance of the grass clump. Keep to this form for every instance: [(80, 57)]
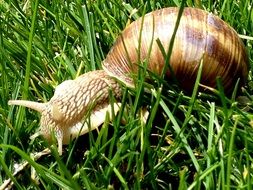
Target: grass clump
[(187, 142)]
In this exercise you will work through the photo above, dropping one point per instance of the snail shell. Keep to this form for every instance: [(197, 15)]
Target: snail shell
[(200, 36)]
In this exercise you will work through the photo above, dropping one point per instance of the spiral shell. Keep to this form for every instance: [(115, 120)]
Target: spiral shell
[(201, 36)]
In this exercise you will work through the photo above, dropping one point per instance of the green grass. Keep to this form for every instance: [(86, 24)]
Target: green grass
[(197, 141)]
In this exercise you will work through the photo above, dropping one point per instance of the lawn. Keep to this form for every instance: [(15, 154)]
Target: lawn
[(198, 140)]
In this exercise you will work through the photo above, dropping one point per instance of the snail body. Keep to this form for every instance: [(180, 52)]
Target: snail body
[(200, 37)]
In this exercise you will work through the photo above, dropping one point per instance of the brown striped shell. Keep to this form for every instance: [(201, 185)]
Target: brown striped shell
[(200, 35)]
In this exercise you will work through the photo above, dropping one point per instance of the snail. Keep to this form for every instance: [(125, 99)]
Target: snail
[(200, 37)]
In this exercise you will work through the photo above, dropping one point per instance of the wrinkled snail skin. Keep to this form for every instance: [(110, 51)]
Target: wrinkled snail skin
[(200, 37), (64, 114)]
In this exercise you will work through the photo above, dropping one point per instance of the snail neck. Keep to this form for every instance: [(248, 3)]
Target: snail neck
[(125, 78)]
